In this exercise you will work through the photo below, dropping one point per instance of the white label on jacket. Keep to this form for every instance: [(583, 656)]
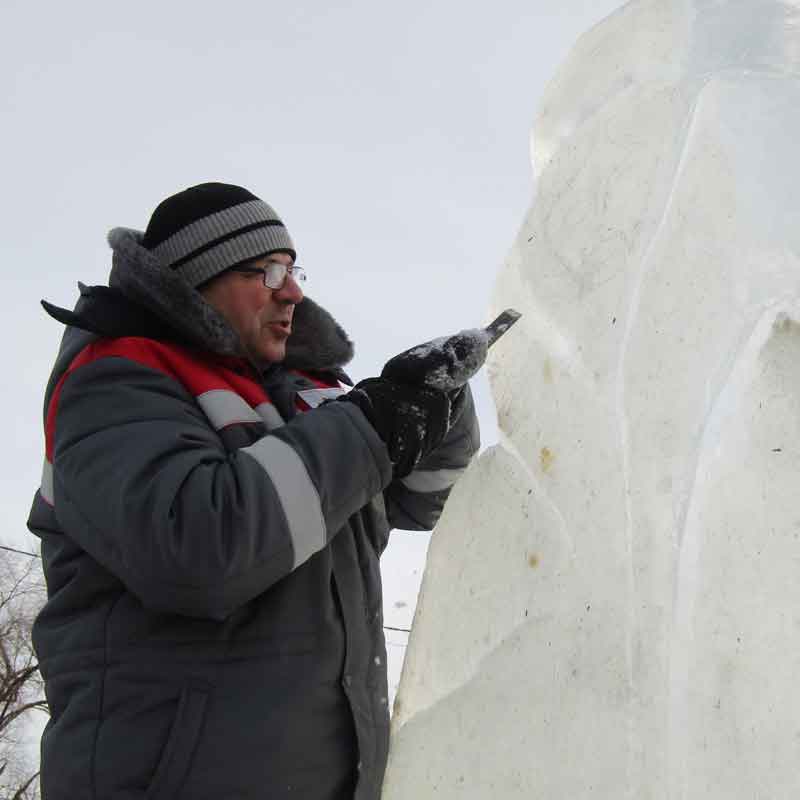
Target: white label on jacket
[(315, 397)]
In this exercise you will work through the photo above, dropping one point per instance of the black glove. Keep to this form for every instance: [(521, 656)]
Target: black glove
[(445, 364), (411, 420)]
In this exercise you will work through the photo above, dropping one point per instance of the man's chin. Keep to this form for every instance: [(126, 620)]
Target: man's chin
[(272, 353)]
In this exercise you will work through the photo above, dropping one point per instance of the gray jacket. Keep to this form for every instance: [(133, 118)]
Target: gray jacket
[(210, 538)]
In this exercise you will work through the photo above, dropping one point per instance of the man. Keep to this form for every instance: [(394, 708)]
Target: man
[(212, 511)]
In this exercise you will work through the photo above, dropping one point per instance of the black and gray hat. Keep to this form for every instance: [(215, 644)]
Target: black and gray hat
[(206, 229)]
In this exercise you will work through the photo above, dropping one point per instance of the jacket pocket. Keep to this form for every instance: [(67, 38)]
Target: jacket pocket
[(173, 767)]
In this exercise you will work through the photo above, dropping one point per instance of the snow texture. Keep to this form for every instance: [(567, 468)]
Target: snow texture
[(610, 605)]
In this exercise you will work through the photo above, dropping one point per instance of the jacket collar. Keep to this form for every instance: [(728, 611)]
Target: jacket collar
[(317, 342)]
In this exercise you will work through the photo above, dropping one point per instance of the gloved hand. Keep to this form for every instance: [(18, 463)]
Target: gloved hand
[(411, 420), (445, 364), (448, 363)]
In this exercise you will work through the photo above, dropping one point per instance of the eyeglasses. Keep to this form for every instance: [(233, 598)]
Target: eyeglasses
[(274, 274)]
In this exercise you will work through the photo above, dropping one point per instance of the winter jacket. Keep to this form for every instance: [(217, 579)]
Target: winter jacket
[(210, 539)]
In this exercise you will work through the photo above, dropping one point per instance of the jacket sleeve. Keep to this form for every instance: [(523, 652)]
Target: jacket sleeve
[(144, 484), (415, 502)]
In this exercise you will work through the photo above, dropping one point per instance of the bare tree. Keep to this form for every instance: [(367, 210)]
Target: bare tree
[(21, 689)]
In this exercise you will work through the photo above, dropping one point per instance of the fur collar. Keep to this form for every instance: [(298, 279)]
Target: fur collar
[(317, 342)]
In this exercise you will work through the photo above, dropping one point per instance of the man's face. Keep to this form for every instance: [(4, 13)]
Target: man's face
[(262, 317)]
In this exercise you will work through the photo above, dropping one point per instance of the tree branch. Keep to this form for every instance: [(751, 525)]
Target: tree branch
[(21, 793)]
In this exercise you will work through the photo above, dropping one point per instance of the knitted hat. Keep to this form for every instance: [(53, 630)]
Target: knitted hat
[(204, 230)]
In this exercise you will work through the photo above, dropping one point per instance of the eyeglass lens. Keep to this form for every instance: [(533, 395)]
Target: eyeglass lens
[(275, 274)]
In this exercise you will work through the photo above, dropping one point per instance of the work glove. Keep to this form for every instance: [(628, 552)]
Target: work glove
[(445, 364), (411, 420)]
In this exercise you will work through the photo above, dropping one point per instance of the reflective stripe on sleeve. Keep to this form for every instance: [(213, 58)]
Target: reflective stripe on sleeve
[(433, 481), (223, 408), (270, 416), (46, 486), (297, 493)]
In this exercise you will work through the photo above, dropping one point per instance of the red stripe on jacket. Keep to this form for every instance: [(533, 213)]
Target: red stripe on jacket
[(198, 373)]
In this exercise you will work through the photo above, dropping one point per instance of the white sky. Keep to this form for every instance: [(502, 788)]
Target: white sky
[(392, 138)]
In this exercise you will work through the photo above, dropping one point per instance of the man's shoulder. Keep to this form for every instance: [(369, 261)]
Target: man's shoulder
[(164, 356), (196, 369)]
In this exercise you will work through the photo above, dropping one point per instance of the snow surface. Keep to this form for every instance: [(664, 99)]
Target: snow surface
[(609, 608)]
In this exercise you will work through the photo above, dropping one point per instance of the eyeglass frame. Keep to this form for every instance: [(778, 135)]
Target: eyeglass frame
[(297, 273)]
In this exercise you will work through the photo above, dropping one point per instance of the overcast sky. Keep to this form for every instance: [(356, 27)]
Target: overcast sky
[(393, 139)]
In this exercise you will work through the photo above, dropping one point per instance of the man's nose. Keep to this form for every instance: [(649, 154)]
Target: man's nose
[(290, 292)]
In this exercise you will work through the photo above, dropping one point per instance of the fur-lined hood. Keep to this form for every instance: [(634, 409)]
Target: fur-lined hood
[(317, 341)]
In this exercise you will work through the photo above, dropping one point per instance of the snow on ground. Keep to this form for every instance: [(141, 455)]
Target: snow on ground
[(402, 565)]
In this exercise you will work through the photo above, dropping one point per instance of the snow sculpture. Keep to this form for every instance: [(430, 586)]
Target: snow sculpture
[(611, 606)]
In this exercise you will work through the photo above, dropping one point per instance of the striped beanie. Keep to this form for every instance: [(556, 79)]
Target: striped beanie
[(206, 229)]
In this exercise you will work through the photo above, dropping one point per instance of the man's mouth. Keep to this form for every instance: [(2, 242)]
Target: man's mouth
[(284, 325)]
